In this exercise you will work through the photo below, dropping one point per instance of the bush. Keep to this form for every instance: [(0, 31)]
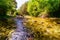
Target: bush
[(36, 7), (7, 7)]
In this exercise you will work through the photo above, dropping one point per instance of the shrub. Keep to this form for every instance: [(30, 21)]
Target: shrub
[(36, 7)]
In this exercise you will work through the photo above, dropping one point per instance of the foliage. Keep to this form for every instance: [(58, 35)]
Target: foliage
[(6, 27), (23, 9), (6, 6), (36, 7), (44, 29), (6, 22)]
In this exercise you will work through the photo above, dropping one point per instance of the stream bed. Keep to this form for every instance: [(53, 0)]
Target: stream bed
[(20, 32)]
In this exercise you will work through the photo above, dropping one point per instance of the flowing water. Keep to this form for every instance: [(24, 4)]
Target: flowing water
[(20, 32)]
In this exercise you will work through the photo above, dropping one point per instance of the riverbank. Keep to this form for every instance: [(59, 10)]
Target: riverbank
[(44, 28)]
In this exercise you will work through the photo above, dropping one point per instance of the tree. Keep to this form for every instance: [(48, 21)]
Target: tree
[(36, 7), (6, 6), (23, 9)]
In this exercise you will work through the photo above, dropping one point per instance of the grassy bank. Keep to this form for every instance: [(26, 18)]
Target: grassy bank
[(44, 28)]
